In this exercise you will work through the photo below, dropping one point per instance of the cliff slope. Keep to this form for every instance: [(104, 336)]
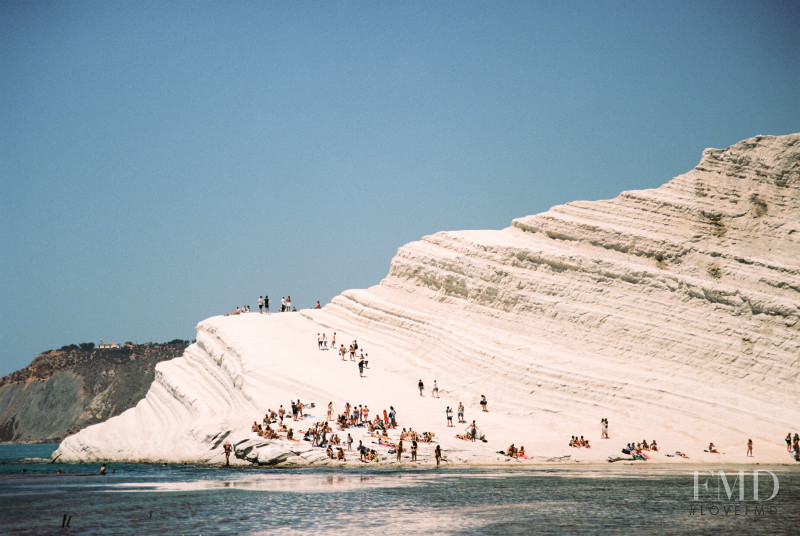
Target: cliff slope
[(672, 312)]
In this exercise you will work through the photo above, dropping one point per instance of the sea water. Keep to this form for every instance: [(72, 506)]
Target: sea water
[(185, 499)]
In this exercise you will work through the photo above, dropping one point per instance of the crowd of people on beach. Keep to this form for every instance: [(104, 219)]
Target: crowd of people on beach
[(322, 435), (380, 428)]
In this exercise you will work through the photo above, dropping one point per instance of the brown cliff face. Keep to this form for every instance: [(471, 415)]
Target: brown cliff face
[(63, 391)]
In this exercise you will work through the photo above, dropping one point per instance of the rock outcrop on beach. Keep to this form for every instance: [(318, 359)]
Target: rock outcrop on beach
[(673, 312), (63, 391)]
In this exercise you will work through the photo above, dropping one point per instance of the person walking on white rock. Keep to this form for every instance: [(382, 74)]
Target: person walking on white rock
[(483, 403), (449, 413), (421, 387), (461, 413), (435, 392)]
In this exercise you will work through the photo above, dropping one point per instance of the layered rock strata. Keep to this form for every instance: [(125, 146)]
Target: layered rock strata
[(673, 312)]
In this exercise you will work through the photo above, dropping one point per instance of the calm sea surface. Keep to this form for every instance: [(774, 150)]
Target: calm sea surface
[(185, 499)]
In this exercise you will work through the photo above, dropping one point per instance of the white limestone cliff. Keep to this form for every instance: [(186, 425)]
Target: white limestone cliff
[(673, 312)]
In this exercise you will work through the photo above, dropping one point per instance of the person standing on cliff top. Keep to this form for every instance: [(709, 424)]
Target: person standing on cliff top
[(266, 304), (260, 305)]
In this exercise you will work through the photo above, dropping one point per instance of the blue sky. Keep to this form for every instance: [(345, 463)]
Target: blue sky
[(163, 162)]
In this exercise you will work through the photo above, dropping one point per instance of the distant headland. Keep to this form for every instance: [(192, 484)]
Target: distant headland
[(63, 391)]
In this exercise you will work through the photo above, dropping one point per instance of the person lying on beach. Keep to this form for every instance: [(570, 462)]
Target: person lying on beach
[(384, 441), (468, 437), (678, 453)]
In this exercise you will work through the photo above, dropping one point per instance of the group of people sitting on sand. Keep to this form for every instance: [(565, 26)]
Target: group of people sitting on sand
[(339, 455), (359, 416), (578, 442), (367, 455), (239, 310), (514, 452), (411, 435), (266, 431), (639, 450)]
